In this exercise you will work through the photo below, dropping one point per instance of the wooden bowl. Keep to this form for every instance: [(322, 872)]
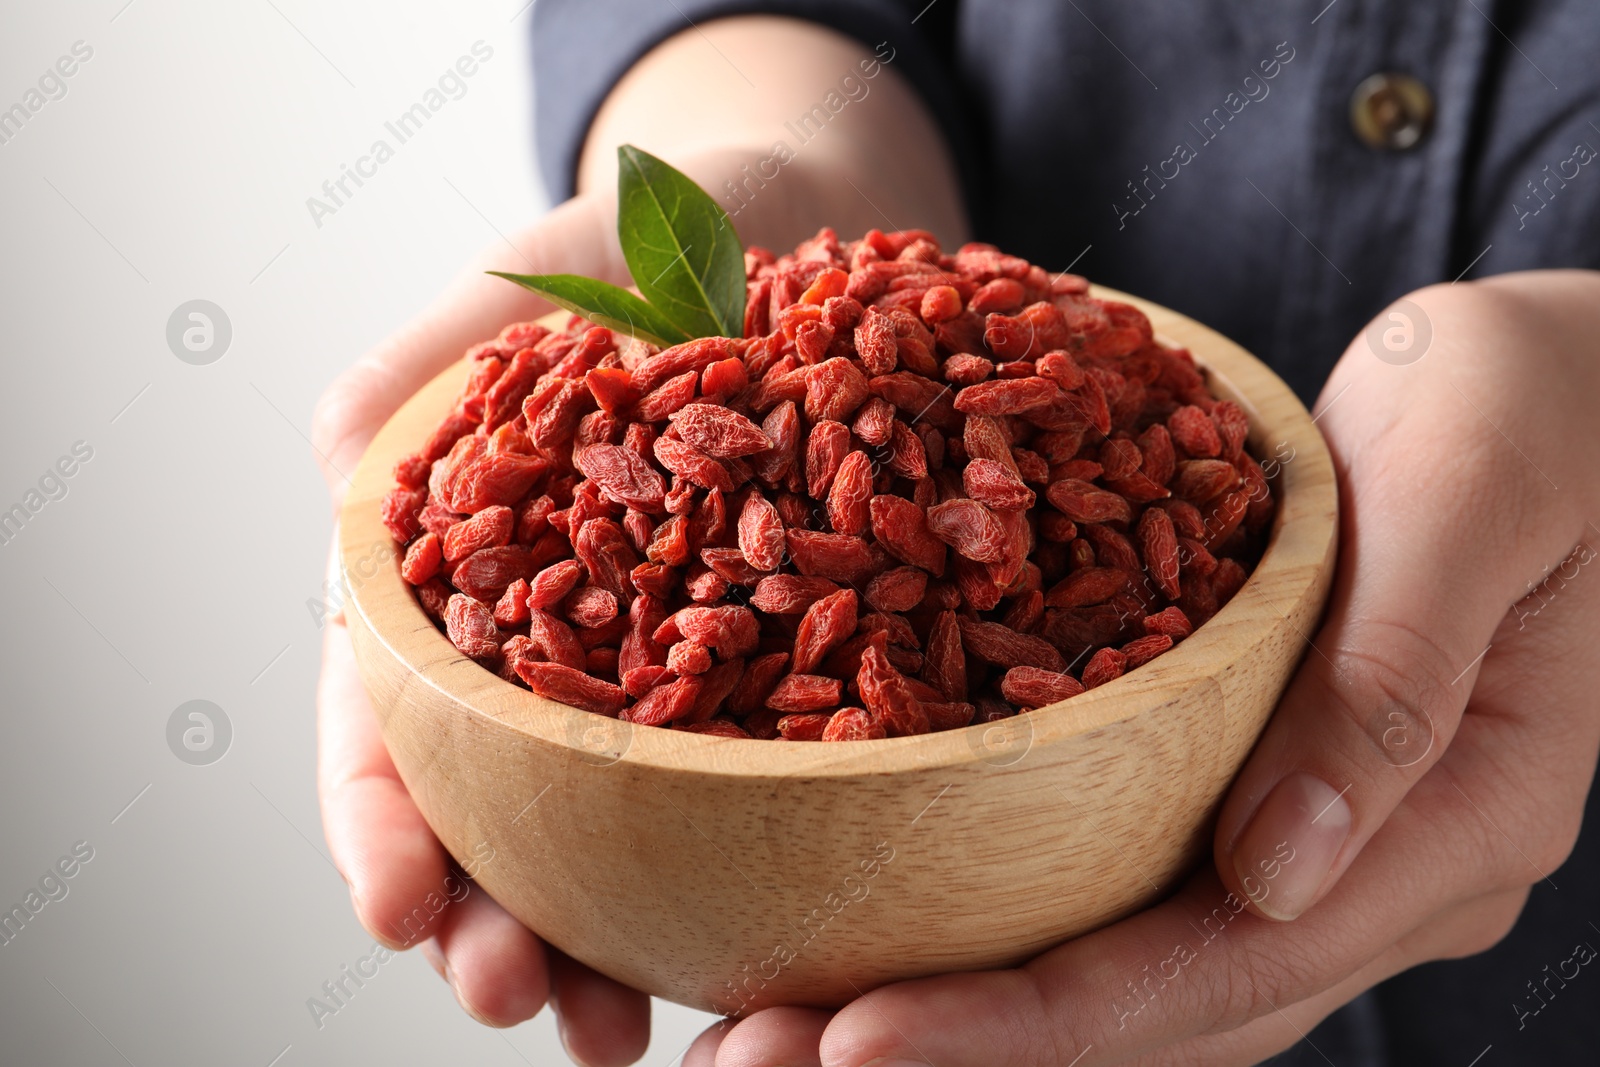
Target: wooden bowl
[(729, 874)]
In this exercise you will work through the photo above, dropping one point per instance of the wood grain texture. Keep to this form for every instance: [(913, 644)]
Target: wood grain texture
[(729, 875)]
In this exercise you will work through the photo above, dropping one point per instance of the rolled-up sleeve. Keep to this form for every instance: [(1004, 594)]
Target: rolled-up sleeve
[(582, 47)]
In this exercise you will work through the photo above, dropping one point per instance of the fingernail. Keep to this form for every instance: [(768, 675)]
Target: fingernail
[(1291, 845)]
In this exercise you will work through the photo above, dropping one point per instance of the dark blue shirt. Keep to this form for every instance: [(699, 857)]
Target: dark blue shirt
[(1208, 155)]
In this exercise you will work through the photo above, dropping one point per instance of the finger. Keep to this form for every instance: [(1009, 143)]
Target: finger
[(495, 965), (576, 237), (1478, 922), (1200, 963), (602, 1022), (1535, 700), (1203, 964), (1497, 812), (702, 1051), (1425, 574), (379, 841), (790, 1037)]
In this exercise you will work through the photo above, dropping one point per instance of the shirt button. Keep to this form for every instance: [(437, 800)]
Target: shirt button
[(1391, 111)]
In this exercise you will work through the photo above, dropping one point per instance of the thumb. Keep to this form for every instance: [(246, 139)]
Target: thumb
[(578, 237), (1428, 567)]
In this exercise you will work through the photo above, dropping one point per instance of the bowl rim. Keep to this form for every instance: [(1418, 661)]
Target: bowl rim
[(1299, 548)]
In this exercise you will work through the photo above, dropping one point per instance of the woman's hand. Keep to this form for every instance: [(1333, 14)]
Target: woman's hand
[(1428, 763), (501, 972), (399, 874)]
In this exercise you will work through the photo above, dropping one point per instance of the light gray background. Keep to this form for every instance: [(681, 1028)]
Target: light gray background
[(179, 564)]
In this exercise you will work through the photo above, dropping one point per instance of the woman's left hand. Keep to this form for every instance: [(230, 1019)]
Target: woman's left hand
[(1428, 763)]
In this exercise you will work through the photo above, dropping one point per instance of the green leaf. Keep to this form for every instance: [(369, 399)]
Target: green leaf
[(680, 246), (603, 304)]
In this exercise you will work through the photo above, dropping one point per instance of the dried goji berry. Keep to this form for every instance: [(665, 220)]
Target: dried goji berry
[(1142, 650), (790, 594), (1001, 294), (1159, 542), (837, 557), (422, 559), (963, 368), (668, 397), (688, 657), (471, 627), (1112, 549), (553, 640), (901, 528), (970, 528), (825, 451), (873, 421), (730, 630), (1006, 397), (588, 480), (690, 356), (591, 607), (613, 389), (1084, 503), (834, 390), (996, 484), (719, 432), (549, 586), (757, 681), (624, 475), (666, 703), (490, 527), (849, 494), (1089, 585), (782, 427), (940, 304), (899, 589), (1233, 427), (501, 478), (852, 724), (400, 511), (824, 626), (875, 342), (640, 680), (1200, 480), (888, 698), (805, 692), (1227, 580), (1104, 666), (804, 727), (1032, 687), (485, 574), (1170, 622), (948, 716), (907, 456), (723, 379), (1193, 431), (1004, 647), (434, 596), (512, 608)]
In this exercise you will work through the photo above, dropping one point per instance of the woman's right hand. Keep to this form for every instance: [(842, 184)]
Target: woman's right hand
[(501, 972), (688, 102)]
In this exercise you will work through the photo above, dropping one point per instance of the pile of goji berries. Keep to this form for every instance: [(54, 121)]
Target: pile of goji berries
[(922, 491)]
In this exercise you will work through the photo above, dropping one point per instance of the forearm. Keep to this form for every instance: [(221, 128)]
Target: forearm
[(723, 102)]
